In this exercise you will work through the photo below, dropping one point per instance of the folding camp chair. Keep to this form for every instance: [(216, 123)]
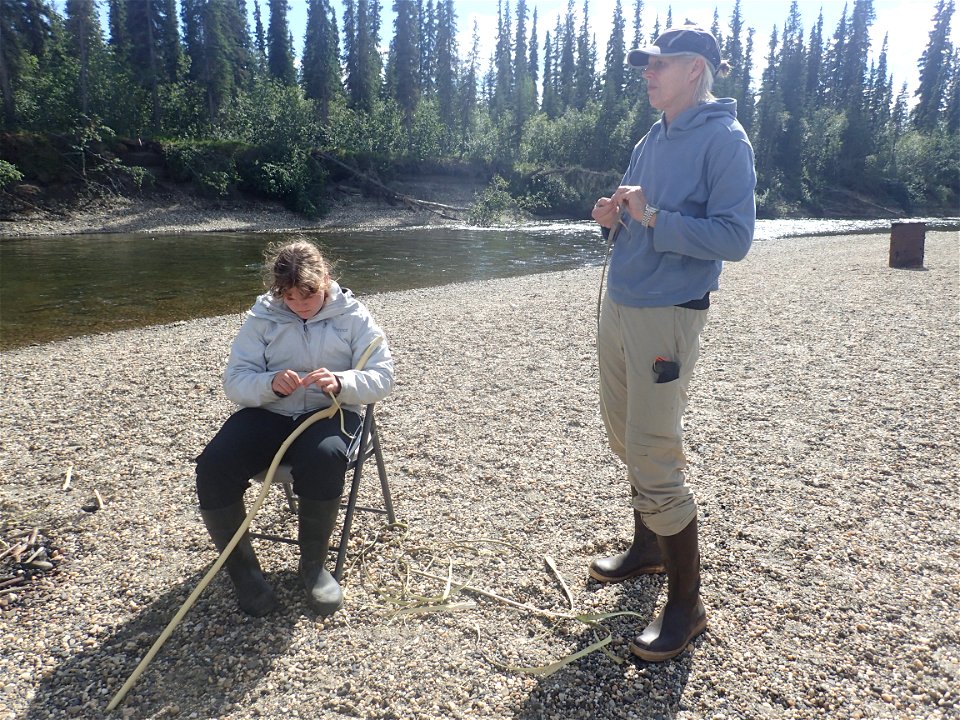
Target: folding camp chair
[(365, 444)]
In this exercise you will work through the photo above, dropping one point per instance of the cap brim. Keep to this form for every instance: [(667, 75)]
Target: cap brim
[(640, 57)]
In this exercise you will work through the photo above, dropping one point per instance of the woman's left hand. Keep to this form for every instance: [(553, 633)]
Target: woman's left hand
[(323, 379)]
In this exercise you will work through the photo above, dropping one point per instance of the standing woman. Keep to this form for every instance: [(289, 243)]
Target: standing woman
[(294, 353), (686, 204)]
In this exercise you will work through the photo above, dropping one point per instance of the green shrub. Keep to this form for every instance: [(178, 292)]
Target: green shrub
[(9, 174), (494, 204), (210, 165)]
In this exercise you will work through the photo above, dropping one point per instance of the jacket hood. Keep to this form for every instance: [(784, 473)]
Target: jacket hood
[(723, 108), (339, 301)]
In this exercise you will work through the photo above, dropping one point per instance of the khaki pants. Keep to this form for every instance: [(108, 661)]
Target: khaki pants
[(643, 418)]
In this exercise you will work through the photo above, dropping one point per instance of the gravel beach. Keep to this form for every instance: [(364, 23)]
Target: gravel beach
[(822, 435)]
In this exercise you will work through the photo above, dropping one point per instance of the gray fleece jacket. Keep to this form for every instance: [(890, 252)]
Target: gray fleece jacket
[(274, 338)]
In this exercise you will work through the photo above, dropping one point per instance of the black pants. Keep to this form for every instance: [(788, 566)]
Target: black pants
[(251, 437)]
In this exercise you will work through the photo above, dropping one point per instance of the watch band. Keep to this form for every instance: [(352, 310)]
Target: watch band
[(648, 212)]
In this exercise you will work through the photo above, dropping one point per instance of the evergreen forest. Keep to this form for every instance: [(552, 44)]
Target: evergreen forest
[(109, 95)]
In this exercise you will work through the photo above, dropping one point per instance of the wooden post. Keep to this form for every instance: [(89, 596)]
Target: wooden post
[(906, 244)]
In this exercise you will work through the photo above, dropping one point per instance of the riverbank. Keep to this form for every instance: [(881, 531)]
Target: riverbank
[(172, 210), (822, 439)]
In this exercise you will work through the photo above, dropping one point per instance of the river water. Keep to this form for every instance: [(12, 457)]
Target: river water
[(57, 287)]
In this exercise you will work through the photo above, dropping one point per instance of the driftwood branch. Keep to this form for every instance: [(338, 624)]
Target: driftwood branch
[(411, 202)]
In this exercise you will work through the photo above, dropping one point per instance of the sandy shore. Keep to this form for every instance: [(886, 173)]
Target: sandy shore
[(823, 442)]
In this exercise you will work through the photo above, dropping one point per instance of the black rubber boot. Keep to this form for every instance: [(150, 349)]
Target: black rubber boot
[(317, 520), (254, 594), (643, 557), (683, 617)]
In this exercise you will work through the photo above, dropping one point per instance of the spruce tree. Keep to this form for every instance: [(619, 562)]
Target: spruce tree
[(857, 141), (403, 68), (549, 104), (733, 51), (614, 79), (769, 110), (171, 49), (362, 56), (280, 45), (241, 57), (814, 82), (534, 64), (952, 111), (745, 103), (467, 89), (584, 75), (791, 85), (634, 80), (85, 40), (146, 28), (426, 41), (566, 80), (321, 65), (216, 72), (260, 39), (446, 53), (934, 70), (501, 101), (834, 91), (191, 18), (119, 40)]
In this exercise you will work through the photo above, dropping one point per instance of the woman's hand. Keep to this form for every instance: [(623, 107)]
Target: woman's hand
[(323, 379), (605, 212), (633, 198), (285, 382)]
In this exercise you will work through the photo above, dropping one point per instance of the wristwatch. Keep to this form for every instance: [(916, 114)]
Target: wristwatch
[(648, 212)]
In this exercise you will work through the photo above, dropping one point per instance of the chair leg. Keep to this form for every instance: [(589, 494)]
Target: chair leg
[(348, 519), (291, 498), (382, 472)]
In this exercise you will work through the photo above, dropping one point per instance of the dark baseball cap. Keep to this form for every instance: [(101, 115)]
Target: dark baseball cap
[(685, 39)]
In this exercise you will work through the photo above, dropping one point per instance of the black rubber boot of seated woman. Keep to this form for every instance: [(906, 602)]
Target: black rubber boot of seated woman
[(317, 520), (254, 594)]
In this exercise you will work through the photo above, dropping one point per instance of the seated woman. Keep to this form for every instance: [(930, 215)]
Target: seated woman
[(297, 349)]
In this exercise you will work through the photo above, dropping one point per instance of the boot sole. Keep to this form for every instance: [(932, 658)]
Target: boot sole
[(654, 656), (642, 570), (260, 611), (324, 610)]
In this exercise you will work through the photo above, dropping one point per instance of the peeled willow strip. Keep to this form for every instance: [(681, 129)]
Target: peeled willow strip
[(553, 566), (501, 598), (426, 609)]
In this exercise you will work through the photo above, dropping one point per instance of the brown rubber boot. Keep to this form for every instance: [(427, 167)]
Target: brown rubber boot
[(643, 557), (683, 617)]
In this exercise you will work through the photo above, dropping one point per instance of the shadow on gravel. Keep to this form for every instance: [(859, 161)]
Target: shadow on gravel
[(215, 654), (598, 688)]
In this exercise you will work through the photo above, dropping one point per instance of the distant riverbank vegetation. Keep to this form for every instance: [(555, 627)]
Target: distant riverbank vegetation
[(193, 92)]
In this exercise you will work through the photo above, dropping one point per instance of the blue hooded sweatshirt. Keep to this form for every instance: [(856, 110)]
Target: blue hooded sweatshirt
[(699, 171)]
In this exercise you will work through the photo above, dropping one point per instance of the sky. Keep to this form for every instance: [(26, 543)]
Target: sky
[(908, 23)]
